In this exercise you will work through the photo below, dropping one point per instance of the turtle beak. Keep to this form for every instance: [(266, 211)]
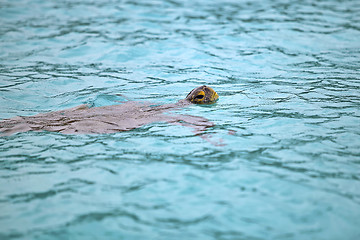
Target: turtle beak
[(214, 97)]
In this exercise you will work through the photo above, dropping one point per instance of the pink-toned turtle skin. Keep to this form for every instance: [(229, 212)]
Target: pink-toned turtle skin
[(115, 118)]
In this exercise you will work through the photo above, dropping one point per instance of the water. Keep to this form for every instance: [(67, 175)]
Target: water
[(288, 118)]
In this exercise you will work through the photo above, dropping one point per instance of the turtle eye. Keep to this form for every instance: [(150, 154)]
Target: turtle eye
[(199, 97)]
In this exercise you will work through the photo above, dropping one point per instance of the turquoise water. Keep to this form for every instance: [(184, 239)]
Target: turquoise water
[(285, 158)]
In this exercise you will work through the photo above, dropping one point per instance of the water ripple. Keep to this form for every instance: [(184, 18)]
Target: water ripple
[(286, 159)]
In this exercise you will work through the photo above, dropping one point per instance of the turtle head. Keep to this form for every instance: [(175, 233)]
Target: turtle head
[(202, 95)]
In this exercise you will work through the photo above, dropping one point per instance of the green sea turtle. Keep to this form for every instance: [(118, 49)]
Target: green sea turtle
[(114, 118)]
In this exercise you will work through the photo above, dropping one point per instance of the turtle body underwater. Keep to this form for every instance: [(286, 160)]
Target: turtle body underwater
[(114, 118)]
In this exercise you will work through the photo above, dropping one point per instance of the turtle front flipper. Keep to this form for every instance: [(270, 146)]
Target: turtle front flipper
[(198, 124)]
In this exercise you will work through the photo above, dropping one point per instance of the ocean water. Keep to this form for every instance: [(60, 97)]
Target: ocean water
[(284, 157)]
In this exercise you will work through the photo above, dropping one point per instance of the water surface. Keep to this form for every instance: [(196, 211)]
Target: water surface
[(288, 119)]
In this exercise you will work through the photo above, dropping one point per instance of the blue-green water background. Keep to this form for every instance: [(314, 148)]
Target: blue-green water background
[(287, 73)]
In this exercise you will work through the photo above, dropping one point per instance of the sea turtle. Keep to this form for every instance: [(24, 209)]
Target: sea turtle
[(114, 118)]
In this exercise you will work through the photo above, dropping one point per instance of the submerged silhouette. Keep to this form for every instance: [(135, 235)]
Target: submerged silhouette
[(115, 118)]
